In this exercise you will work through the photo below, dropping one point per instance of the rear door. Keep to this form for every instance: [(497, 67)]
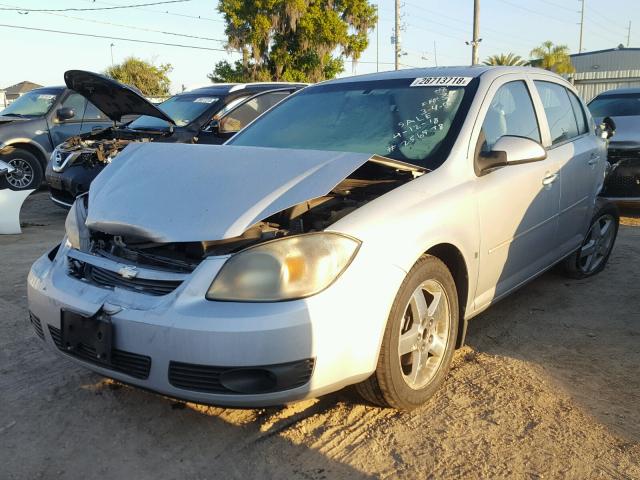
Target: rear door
[(517, 204), (94, 119), (577, 150)]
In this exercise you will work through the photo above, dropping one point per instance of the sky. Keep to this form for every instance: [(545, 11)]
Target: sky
[(433, 30)]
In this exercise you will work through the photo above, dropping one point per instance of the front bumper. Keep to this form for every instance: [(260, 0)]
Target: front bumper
[(622, 183), (335, 334), (65, 186)]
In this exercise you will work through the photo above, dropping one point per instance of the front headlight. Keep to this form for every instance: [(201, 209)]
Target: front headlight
[(74, 225), (284, 269)]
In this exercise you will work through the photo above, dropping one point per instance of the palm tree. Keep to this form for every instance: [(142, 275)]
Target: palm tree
[(509, 59), (552, 57)]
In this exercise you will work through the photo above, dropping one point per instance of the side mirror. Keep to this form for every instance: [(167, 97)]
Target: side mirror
[(229, 125), (5, 169), (65, 113), (607, 128), (511, 150)]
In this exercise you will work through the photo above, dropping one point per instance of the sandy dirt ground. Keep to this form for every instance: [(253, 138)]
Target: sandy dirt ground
[(547, 387)]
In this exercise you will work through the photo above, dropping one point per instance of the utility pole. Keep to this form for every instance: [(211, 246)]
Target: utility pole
[(629, 34), (378, 37), (396, 35), (581, 25), (112, 45), (475, 43), (435, 53)]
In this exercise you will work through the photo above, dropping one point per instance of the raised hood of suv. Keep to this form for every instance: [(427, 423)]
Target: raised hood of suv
[(111, 97), (185, 193)]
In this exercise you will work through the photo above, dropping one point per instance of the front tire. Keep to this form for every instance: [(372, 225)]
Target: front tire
[(28, 172), (419, 339), (593, 254)]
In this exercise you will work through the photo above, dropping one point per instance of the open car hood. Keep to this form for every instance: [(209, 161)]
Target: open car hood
[(111, 97), (183, 193)]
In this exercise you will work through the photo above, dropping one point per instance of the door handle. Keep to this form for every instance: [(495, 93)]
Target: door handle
[(549, 179), (593, 158)]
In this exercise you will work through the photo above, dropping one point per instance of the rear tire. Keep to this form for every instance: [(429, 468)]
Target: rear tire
[(593, 254), (28, 174), (419, 339)]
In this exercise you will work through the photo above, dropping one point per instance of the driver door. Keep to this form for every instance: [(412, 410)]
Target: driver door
[(517, 204), (59, 129)]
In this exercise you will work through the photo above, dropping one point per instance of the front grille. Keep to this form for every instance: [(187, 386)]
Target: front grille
[(132, 364), (624, 179), (37, 325), (207, 378), (107, 278)]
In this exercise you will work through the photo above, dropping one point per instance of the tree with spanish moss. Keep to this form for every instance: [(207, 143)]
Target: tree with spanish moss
[(293, 40)]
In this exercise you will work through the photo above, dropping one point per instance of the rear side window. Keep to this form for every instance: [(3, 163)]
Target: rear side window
[(578, 111), (93, 114), (246, 113), (559, 112), (510, 113)]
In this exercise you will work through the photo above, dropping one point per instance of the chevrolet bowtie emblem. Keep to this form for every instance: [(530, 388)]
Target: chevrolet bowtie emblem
[(128, 272)]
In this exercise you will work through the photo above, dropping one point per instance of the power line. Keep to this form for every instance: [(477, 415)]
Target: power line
[(166, 12), (109, 37), (132, 27), (117, 7)]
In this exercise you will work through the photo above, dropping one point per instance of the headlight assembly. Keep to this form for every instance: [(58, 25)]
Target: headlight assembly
[(74, 225), (284, 269)]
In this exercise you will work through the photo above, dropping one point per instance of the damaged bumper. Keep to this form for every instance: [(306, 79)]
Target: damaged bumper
[(222, 353), (622, 183), (66, 185)]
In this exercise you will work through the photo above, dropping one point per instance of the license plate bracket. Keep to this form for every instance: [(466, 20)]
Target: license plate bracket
[(88, 336)]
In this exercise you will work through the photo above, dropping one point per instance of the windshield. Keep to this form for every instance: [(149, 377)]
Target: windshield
[(619, 105), (388, 118), (183, 109), (32, 104)]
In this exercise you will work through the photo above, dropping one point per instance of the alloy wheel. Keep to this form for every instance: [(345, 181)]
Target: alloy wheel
[(597, 244), (424, 334), (23, 174)]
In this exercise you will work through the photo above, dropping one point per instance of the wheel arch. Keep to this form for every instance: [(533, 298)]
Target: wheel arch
[(28, 145), (452, 257)]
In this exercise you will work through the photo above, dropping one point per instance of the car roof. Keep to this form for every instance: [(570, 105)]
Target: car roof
[(456, 71), (226, 88), (617, 91)]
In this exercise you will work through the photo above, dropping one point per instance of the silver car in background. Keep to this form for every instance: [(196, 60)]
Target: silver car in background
[(346, 236)]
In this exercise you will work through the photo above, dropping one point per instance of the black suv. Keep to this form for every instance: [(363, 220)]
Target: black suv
[(34, 124), (208, 115)]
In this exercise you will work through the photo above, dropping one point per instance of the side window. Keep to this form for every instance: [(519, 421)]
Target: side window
[(557, 107), (247, 112), (76, 102), (578, 111), (93, 114), (511, 113)]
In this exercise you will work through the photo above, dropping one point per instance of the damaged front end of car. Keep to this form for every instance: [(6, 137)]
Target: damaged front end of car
[(275, 204)]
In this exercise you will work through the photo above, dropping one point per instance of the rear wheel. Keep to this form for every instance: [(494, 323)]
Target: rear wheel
[(594, 252), (419, 339), (28, 172)]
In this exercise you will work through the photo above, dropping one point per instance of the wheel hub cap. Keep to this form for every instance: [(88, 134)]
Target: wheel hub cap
[(424, 334), (597, 244), (22, 176)]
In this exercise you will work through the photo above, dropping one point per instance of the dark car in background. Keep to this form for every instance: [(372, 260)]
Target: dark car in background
[(34, 124), (208, 115), (622, 105)]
